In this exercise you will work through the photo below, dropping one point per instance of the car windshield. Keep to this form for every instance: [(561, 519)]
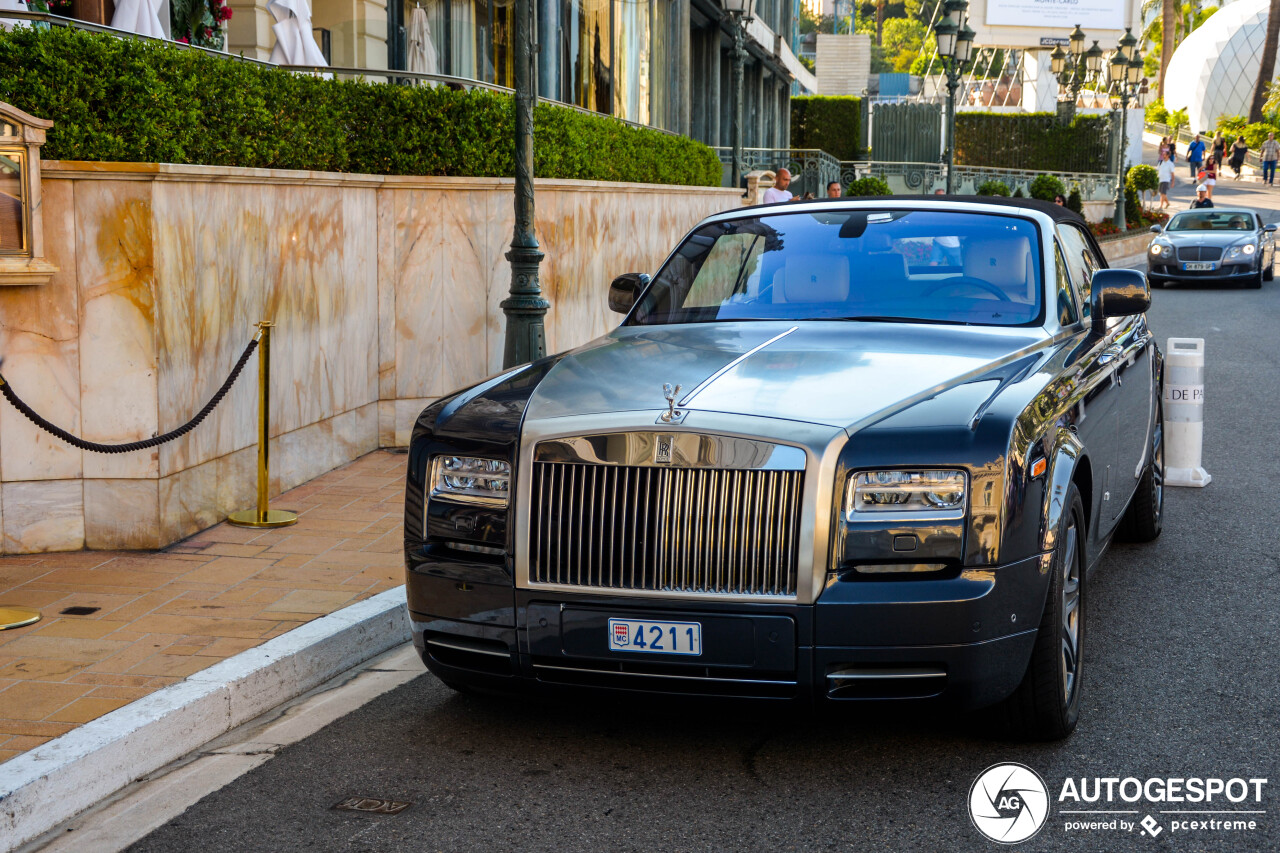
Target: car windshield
[(932, 266), (1211, 220)]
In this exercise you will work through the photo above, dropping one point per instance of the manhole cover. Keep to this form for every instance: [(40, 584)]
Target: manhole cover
[(372, 805)]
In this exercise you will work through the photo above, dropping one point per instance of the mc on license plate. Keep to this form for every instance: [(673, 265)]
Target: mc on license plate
[(665, 638)]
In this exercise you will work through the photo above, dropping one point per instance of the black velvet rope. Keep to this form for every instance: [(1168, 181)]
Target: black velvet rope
[(7, 390)]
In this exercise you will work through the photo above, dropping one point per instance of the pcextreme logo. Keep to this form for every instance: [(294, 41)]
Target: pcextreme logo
[(1009, 803)]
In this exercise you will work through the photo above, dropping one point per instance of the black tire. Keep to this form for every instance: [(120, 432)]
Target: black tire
[(1254, 282), (1046, 705), (1145, 516), (1269, 273)]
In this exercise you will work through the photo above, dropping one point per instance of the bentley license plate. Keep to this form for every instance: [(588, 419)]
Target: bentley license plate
[(664, 638), (1201, 265)]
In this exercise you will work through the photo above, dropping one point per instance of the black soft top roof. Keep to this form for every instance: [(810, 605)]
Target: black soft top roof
[(1055, 212)]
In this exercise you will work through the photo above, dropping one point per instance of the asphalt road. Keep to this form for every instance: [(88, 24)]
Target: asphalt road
[(1181, 682)]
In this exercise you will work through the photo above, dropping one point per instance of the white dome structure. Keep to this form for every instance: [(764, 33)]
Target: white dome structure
[(1213, 71)]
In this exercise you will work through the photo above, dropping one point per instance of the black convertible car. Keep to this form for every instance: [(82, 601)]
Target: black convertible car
[(843, 451), (1217, 244)]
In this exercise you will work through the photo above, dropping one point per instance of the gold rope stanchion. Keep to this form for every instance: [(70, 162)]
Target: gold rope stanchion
[(263, 516)]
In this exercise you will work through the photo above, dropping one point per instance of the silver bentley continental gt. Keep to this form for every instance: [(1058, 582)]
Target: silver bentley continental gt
[(837, 452), (1227, 244)]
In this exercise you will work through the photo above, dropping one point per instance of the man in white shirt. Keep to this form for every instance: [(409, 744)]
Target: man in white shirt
[(1164, 169), (778, 192)]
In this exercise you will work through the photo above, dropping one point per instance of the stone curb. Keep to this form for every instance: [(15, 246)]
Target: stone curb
[(57, 780)]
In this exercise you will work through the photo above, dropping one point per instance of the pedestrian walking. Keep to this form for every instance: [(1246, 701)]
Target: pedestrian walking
[(1165, 169), (1270, 153), (1202, 198), (1239, 148), (1173, 148), (779, 192), (1195, 156), (1209, 175), (1219, 147), (1163, 153)]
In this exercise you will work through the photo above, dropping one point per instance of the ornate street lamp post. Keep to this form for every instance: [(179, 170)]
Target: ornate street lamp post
[(1126, 73), (1071, 69), (739, 13), (955, 46), (525, 307)]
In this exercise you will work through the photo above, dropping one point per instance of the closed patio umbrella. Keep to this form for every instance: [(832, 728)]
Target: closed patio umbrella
[(422, 53), (17, 5), (139, 16), (294, 43)]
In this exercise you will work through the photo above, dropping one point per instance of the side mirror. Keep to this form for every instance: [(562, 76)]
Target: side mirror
[(1156, 229), (1270, 229), (624, 289), (1118, 293)]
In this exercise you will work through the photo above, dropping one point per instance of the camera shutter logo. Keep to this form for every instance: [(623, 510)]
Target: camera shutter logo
[(1009, 803)]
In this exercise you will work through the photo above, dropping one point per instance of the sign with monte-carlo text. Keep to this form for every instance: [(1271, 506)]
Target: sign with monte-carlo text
[(1045, 14)]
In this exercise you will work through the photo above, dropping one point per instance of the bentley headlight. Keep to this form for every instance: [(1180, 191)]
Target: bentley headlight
[(1156, 248), (927, 492), (471, 479), (1249, 248), (1237, 251)]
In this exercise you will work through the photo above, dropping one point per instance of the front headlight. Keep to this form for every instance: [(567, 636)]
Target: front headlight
[(1237, 251), (931, 492), (471, 479), (1157, 248)]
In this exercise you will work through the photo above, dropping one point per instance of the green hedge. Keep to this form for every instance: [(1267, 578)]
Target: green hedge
[(832, 123), (129, 101), (1033, 141)]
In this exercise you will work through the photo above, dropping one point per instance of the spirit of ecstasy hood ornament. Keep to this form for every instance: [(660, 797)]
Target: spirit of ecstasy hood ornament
[(671, 414)]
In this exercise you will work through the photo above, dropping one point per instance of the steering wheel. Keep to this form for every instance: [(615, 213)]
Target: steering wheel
[(962, 280)]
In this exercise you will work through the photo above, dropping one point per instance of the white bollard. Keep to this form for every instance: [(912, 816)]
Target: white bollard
[(1184, 413)]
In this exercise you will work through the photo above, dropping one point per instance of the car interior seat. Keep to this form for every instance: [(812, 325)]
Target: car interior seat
[(815, 278), (1005, 263)]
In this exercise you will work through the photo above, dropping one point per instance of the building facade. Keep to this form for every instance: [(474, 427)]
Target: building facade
[(662, 63)]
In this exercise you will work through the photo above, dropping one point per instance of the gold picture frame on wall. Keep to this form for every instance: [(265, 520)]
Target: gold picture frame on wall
[(22, 260)]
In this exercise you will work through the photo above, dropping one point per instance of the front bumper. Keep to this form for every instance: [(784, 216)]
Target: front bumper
[(1226, 272), (962, 641)]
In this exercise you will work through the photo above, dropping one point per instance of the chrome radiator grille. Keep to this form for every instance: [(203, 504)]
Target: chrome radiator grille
[(1199, 253), (696, 530)]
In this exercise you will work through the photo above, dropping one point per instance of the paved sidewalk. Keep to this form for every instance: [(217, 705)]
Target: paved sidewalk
[(157, 617)]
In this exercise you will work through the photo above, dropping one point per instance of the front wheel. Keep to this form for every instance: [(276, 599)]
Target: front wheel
[(1046, 705), (1269, 273)]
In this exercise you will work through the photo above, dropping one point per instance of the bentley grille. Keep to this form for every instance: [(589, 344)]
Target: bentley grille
[(1199, 253), (696, 530)]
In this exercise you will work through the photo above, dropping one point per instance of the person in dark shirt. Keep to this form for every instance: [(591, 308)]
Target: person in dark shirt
[(1202, 199)]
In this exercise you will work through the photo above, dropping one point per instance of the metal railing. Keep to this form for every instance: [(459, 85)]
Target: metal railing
[(909, 178), (393, 76), (811, 168)]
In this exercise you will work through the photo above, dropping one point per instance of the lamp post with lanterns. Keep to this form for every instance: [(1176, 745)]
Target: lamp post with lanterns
[(1126, 74), (524, 308), (955, 47), (1073, 69), (739, 13)]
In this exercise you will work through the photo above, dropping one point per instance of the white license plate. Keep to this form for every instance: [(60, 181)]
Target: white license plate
[(663, 638), (1201, 265)]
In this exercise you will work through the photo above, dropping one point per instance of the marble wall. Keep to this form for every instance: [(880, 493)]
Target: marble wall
[(385, 293)]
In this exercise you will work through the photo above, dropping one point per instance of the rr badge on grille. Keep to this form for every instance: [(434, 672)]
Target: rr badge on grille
[(662, 451)]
